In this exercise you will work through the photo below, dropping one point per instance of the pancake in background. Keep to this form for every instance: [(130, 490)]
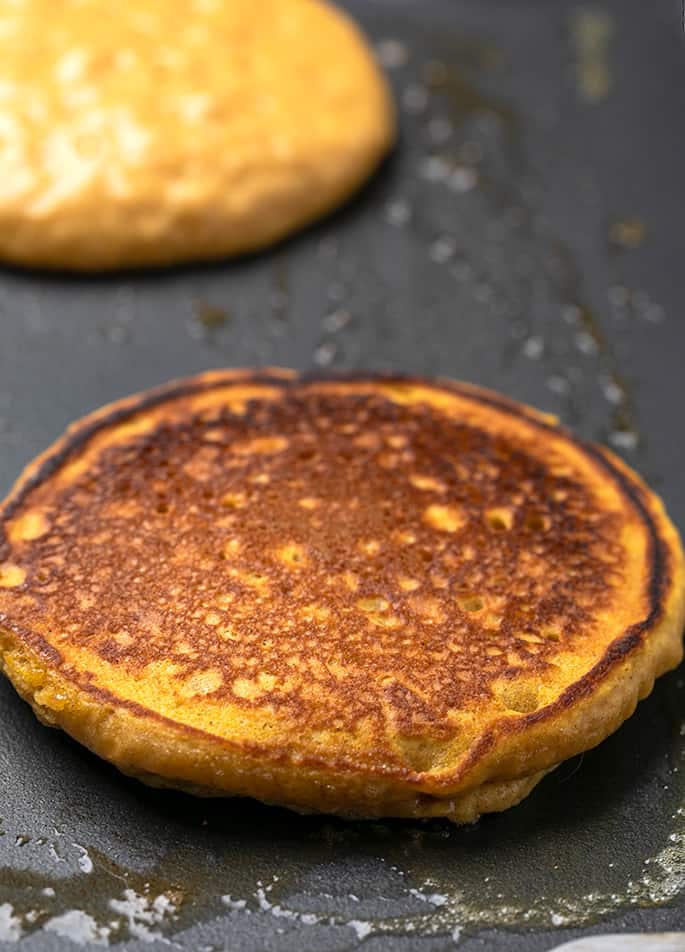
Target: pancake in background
[(148, 133)]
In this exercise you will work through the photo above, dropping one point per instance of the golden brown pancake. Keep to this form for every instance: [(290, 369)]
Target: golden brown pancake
[(369, 596), (152, 132)]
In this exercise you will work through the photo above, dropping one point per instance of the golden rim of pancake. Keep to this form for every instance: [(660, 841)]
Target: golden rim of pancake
[(148, 133), (365, 595)]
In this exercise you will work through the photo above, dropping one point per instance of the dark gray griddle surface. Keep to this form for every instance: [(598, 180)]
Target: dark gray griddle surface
[(480, 251)]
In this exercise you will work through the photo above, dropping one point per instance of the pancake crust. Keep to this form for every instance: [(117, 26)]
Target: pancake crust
[(147, 133), (367, 595)]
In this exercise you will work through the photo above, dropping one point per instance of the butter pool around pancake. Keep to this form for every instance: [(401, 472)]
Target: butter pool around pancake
[(147, 133)]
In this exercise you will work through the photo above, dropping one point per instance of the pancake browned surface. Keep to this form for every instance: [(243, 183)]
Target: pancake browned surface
[(371, 596)]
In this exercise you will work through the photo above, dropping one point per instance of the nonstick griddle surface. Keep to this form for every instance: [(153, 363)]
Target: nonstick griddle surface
[(482, 250)]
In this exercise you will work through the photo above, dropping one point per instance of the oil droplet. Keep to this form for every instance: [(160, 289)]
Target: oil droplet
[(392, 53), (559, 385), (211, 317), (435, 168), (627, 233), (462, 179), (336, 321), (439, 130), (591, 31), (415, 99), (586, 343), (325, 354), (533, 347), (398, 212), (442, 249)]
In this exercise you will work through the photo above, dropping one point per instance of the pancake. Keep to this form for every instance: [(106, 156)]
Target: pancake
[(148, 133), (372, 596)]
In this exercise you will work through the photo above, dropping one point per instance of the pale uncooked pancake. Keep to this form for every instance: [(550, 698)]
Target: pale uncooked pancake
[(367, 596), (151, 132)]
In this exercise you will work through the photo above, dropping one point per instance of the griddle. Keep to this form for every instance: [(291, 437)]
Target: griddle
[(527, 236)]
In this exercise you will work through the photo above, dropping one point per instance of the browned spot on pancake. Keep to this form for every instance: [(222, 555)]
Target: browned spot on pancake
[(275, 558)]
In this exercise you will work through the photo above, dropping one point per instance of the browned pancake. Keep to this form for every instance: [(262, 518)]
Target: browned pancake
[(367, 595)]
